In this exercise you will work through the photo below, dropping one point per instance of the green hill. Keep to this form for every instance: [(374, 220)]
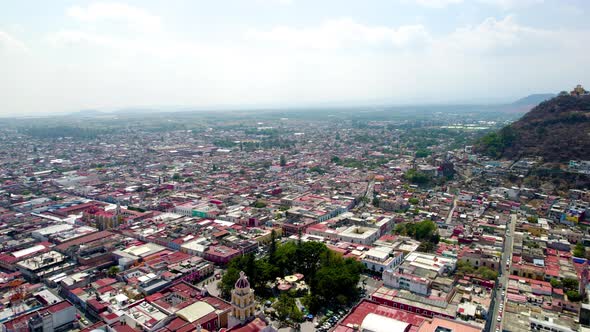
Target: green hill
[(557, 130)]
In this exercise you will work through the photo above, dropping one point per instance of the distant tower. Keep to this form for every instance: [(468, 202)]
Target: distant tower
[(242, 302)]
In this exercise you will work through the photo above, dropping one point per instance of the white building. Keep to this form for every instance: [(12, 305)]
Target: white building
[(431, 262), (359, 234), (406, 275), (195, 247), (398, 280), (382, 258), (42, 234)]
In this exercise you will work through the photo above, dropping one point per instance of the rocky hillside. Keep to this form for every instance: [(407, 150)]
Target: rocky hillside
[(557, 130)]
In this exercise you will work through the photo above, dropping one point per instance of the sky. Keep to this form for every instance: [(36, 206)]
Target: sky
[(64, 56)]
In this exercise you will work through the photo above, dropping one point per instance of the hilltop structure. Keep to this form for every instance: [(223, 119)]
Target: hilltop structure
[(579, 91)]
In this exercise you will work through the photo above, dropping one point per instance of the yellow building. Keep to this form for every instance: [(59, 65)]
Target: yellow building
[(578, 91), (242, 302)]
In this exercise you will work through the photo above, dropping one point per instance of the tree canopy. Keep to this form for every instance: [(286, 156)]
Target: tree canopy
[(332, 278), (417, 177), (579, 250), (424, 231)]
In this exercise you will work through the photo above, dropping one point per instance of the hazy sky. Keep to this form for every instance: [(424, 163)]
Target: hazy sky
[(60, 56)]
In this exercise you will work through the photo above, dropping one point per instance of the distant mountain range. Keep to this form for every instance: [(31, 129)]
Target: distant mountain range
[(520, 106), (533, 99), (88, 112), (557, 130)]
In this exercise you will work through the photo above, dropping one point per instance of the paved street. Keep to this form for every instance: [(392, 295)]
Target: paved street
[(368, 195), (451, 211), (211, 283), (503, 278), (369, 284)]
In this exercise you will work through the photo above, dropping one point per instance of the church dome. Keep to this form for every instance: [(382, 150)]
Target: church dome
[(242, 281)]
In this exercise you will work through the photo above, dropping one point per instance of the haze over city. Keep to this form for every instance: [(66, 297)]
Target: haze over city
[(66, 56)]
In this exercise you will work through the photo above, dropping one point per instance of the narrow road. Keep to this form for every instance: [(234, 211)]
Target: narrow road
[(450, 216), (504, 276), (368, 194)]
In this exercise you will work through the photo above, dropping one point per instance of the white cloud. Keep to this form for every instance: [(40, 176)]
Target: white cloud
[(342, 33), (510, 4), (9, 43), (124, 46), (75, 37), (276, 2), (436, 3), (504, 4), (493, 35), (136, 18)]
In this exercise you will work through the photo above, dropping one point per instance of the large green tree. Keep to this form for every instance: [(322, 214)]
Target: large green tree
[(332, 278)]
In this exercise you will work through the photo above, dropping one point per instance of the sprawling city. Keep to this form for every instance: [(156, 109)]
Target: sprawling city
[(322, 220)]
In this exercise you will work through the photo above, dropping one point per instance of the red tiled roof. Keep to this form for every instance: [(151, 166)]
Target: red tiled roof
[(123, 328), (59, 306), (77, 291), (531, 281), (516, 297), (84, 239), (176, 324), (105, 282), (10, 325), (208, 317), (105, 289), (8, 258), (254, 326), (109, 315), (365, 307), (98, 306)]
